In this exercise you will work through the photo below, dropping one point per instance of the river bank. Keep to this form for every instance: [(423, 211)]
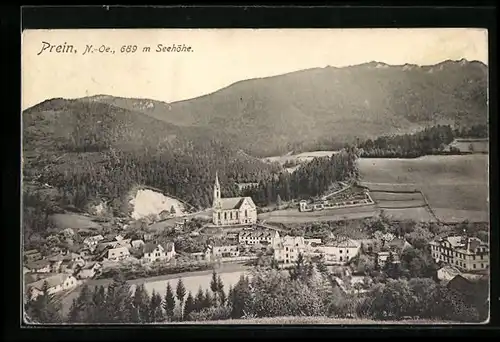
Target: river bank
[(229, 273)]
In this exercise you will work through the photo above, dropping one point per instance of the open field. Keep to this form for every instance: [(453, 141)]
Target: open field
[(315, 320), (294, 216), (421, 214), (455, 186), (74, 221), (300, 157)]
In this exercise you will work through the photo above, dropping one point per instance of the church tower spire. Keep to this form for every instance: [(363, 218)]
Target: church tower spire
[(216, 190)]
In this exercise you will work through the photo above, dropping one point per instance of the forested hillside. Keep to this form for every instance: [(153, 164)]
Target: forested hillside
[(90, 150), (324, 108)]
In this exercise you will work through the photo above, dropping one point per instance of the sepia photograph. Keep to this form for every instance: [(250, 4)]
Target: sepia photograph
[(255, 176)]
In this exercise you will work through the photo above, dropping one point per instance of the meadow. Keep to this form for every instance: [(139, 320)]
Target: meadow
[(456, 187)]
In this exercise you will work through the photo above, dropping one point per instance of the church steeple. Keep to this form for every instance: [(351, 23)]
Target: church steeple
[(216, 190)]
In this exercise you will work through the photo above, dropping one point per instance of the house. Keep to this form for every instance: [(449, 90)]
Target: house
[(232, 210), (117, 254), (55, 262), (157, 252), (148, 237), (198, 256), (287, 250), (396, 245), (56, 283), (32, 255), (215, 251), (267, 237), (74, 257), (89, 270), (466, 253), (447, 273), (39, 266), (92, 241), (383, 256), (70, 267), (137, 244), (67, 233), (340, 251)]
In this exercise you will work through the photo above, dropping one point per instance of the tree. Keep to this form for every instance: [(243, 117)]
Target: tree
[(169, 302), (172, 210), (156, 312), (44, 308), (208, 300), (189, 306), (180, 293), (118, 303), (220, 291), (83, 308), (199, 300), (214, 286), (141, 302), (279, 202)]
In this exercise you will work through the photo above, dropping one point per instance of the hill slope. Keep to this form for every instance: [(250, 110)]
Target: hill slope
[(90, 150), (306, 109)]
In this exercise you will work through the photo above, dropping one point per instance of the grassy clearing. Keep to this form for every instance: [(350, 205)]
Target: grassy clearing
[(315, 320), (294, 216), (74, 221), (448, 182)]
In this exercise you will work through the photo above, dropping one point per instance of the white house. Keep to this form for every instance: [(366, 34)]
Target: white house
[(137, 244), (221, 251), (56, 283), (268, 237), (156, 252), (39, 266), (117, 254), (447, 273), (89, 270), (92, 241), (288, 249), (338, 252)]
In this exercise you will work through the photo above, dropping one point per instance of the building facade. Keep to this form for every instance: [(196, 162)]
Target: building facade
[(232, 210), (465, 253), (287, 250), (338, 252), (252, 237)]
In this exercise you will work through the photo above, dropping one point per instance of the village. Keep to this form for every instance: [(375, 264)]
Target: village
[(235, 235)]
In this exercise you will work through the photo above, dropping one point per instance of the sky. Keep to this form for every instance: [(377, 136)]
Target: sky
[(218, 57)]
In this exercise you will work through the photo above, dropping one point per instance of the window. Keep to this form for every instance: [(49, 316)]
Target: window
[(473, 257), (473, 265), (482, 256), (225, 216), (287, 255), (482, 265), (286, 249), (340, 251), (218, 216), (456, 262), (237, 215), (347, 251), (231, 215), (246, 213), (340, 258)]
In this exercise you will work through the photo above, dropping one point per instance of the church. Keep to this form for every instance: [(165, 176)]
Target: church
[(233, 210)]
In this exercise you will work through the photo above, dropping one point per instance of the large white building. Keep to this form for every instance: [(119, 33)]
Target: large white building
[(466, 253), (259, 236), (232, 210), (287, 250), (337, 252)]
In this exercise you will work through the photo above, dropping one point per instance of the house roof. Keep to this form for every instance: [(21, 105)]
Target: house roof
[(118, 249), (38, 264), (31, 251), (450, 269), (345, 243), (89, 266), (261, 234), (234, 202), (149, 247), (461, 285), (52, 281)]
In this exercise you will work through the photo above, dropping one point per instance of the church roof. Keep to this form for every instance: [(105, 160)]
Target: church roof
[(233, 202)]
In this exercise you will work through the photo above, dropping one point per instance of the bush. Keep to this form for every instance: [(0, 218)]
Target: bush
[(211, 314)]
